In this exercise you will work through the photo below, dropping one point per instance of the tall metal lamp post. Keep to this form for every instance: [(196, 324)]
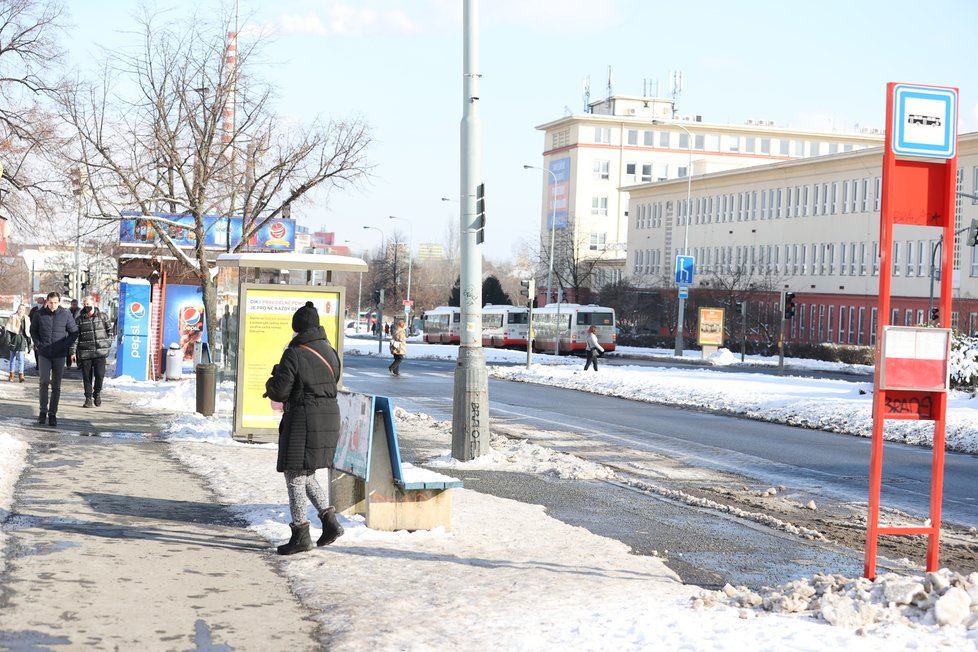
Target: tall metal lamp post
[(408, 307), (553, 229), (380, 309), (681, 317)]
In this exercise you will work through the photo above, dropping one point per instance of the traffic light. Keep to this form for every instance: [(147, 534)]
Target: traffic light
[(741, 307), (379, 297), (527, 288), (75, 176), (935, 314), (789, 305), (480, 213), (67, 284), (973, 233), (85, 281)]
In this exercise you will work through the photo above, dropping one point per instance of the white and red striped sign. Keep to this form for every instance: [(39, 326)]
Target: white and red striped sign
[(915, 358)]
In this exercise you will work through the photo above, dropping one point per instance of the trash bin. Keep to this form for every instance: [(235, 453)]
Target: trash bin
[(174, 362), (206, 388)]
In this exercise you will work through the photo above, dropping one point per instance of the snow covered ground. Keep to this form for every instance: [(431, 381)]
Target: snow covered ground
[(507, 576)]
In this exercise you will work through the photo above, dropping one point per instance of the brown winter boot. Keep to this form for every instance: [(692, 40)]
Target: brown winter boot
[(22, 379), (11, 376)]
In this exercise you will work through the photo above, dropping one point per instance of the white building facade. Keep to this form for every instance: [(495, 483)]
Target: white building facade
[(592, 157), (806, 226)]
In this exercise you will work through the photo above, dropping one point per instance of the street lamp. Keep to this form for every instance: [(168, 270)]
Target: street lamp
[(359, 291), (380, 310), (681, 318), (408, 307), (553, 229)]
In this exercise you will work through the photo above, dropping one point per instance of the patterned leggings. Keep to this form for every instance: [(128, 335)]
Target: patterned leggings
[(301, 484)]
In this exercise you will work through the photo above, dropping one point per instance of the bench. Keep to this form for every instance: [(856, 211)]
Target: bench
[(394, 495)]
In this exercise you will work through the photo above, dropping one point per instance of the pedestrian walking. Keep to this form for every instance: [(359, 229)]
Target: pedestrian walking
[(305, 381), (594, 348), (92, 349), (74, 308), (398, 347), (53, 332), (17, 335)]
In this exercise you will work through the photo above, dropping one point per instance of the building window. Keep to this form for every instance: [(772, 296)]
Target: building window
[(632, 137), (896, 260), (842, 259), (733, 143), (862, 327), (630, 172), (852, 260), (879, 191), (599, 206), (683, 140), (910, 265), (646, 173), (830, 324), (648, 138), (765, 145), (749, 144), (664, 139), (784, 147), (560, 139), (602, 135), (872, 327), (602, 170), (598, 241), (845, 196), (699, 141)]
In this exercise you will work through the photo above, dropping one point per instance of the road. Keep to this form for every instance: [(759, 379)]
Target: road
[(715, 449)]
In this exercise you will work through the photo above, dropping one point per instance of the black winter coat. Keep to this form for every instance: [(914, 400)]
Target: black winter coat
[(94, 340), (310, 427), (53, 333)]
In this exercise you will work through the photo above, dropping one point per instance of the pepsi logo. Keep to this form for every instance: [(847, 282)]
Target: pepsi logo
[(137, 310), (277, 231), (191, 315)]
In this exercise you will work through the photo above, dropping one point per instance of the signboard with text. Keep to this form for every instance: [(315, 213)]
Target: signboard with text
[(265, 330)]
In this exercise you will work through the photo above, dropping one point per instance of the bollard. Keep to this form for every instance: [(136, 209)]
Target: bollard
[(206, 388)]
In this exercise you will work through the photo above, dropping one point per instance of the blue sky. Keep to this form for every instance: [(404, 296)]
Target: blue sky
[(398, 63)]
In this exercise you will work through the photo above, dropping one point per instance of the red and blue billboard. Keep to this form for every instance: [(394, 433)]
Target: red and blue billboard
[(140, 230), (559, 192)]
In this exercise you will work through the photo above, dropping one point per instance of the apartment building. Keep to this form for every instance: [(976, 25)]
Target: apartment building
[(809, 226), (591, 158)]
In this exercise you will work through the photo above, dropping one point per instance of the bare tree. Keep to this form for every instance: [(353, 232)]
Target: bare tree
[(163, 148), (29, 57), (574, 263)]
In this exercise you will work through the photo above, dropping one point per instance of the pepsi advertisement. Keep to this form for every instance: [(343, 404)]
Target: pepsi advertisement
[(132, 352), (141, 231), (183, 318)]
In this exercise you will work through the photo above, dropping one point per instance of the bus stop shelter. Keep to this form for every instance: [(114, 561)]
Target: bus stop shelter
[(257, 295)]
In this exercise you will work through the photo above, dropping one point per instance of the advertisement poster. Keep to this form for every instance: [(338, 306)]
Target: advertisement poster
[(357, 425), (267, 331), (557, 195), (711, 327), (132, 352), (183, 318), (135, 230)]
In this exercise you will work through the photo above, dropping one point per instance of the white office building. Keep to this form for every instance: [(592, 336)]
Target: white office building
[(590, 159), (807, 226)]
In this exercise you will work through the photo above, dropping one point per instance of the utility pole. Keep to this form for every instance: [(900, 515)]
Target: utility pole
[(470, 407)]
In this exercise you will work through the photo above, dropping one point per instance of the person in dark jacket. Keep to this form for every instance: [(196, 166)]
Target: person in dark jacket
[(53, 331), (91, 350), (305, 381)]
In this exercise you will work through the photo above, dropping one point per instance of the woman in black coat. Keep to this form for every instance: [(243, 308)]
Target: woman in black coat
[(305, 381)]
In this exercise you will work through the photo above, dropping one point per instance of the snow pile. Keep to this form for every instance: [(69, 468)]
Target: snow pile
[(964, 360), (13, 456), (522, 456), (934, 600)]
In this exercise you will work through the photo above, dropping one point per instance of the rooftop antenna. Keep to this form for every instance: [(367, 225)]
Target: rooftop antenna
[(610, 83), (587, 94), (675, 88)]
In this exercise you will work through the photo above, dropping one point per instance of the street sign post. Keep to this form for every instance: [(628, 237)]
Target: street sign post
[(684, 270)]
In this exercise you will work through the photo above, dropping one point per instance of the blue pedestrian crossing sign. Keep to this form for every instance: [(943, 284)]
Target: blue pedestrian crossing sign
[(684, 270), (925, 120)]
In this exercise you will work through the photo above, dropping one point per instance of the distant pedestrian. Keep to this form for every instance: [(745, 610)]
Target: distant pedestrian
[(53, 332), (594, 348), (18, 341), (398, 347), (305, 381), (91, 350), (387, 328)]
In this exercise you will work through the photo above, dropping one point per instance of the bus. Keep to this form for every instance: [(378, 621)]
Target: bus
[(504, 326), (568, 323), (443, 325)]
